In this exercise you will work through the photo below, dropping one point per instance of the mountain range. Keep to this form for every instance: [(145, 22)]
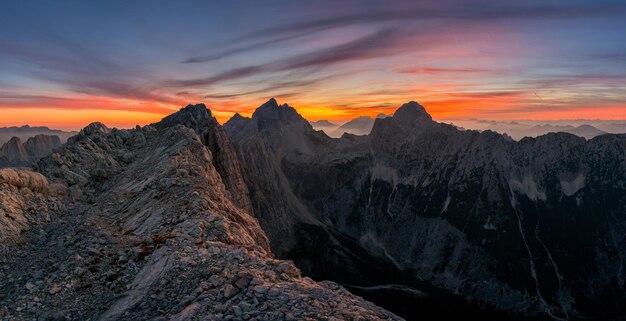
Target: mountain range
[(186, 219), (25, 132), (515, 129), (418, 206)]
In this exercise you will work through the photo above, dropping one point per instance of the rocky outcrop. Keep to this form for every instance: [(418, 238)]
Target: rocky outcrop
[(199, 118), (41, 145), (151, 231), (274, 133), (24, 201), (22, 178), (534, 228), (14, 153)]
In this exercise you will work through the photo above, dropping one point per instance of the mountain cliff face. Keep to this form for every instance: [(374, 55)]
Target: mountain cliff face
[(535, 228), (14, 153), (39, 146), (199, 118), (143, 224)]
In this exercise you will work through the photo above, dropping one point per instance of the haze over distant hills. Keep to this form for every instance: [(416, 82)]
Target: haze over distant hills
[(25, 132), (515, 129), (518, 129), (361, 125)]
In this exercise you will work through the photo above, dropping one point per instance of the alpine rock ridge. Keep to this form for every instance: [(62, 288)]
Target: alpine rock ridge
[(149, 224), (534, 228)]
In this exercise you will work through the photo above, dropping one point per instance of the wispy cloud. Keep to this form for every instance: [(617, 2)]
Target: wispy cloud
[(381, 43), (462, 57), (434, 71), (13, 101), (455, 10)]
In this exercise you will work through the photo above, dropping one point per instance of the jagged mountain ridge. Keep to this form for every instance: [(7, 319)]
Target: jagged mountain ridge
[(16, 153), (512, 225), (142, 224)]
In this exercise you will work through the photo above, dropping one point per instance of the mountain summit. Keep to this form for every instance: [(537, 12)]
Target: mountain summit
[(272, 114), (191, 116), (411, 114)]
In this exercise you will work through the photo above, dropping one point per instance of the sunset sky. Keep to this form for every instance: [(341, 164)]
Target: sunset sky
[(67, 63)]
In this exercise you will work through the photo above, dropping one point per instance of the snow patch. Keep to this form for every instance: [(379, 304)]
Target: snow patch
[(570, 188)]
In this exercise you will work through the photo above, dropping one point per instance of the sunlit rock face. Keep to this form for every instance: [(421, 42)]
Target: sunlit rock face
[(535, 228), (199, 118)]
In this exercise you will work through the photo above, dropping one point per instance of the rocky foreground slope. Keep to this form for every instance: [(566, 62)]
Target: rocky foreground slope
[(149, 224), (425, 218)]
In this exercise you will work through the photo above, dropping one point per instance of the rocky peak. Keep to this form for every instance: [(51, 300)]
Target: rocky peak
[(270, 113), (95, 128), (199, 118), (268, 105), (410, 113), (236, 117), (408, 117), (40, 145), (14, 141), (191, 116), (12, 153)]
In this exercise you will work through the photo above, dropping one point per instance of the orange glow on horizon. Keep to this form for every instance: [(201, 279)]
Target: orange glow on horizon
[(73, 114)]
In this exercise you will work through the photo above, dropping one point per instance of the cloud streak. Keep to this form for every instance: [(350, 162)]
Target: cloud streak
[(486, 11), (381, 43), (434, 71)]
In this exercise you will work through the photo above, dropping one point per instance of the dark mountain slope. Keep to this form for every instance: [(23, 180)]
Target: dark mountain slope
[(535, 227)]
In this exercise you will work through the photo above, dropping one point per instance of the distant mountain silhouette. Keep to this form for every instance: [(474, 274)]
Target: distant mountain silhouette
[(323, 123), (26, 131)]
